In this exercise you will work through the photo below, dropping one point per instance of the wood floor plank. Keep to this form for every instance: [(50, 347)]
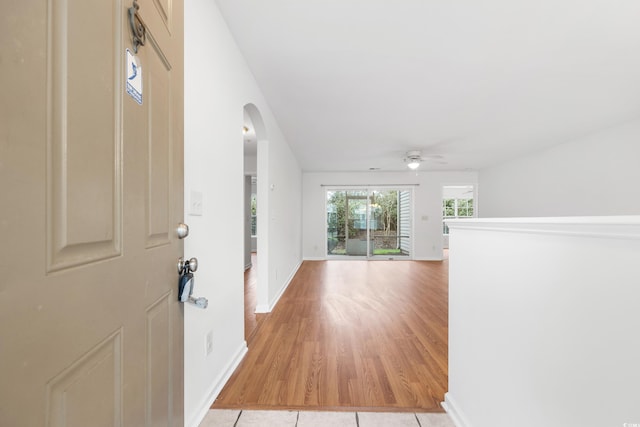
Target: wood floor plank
[(251, 319), (350, 335)]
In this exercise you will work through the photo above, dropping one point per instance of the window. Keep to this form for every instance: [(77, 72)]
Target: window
[(456, 208), (254, 211)]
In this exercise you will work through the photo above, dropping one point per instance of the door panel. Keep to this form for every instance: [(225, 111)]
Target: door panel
[(84, 193), (96, 376), (161, 20), (158, 110), (357, 218), (91, 333), (159, 368), (390, 224), (164, 11)]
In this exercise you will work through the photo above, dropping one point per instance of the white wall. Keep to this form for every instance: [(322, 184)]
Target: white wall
[(427, 221), (459, 192), (217, 86), (597, 174), (543, 322), (283, 215), (250, 165)]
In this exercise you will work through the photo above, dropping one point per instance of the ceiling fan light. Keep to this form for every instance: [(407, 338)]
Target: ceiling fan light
[(413, 164)]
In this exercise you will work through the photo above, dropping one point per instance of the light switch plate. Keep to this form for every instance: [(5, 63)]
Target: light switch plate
[(208, 343), (195, 203)]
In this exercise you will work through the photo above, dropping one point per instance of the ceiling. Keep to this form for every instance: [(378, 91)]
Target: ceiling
[(354, 84)]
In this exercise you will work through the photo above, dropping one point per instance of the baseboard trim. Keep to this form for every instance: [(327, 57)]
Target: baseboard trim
[(454, 411), (428, 259), (217, 386), (375, 259), (262, 308), (286, 284)]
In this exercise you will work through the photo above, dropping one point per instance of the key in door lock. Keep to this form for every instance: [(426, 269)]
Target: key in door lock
[(186, 282)]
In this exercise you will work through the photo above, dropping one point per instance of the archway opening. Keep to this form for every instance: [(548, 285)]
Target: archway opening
[(256, 207)]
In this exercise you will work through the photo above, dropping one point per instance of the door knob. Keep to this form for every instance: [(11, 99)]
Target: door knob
[(191, 264), (182, 230), (186, 281)]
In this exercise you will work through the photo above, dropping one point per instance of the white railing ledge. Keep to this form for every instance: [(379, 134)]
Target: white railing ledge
[(620, 227)]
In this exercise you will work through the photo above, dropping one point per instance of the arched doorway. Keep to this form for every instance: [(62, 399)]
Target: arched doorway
[(256, 217)]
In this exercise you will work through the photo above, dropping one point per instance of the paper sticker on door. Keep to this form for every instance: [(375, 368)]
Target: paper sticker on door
[(134, 77)]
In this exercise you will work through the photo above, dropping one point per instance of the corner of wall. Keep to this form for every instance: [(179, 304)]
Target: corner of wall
[(285, 285), (454, 411), (216, 387)]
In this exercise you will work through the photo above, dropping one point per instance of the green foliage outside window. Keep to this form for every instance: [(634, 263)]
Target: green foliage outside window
[(456, 208)]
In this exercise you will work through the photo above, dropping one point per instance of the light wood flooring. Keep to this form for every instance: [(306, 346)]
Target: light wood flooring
[(350, 335), (251, 319)]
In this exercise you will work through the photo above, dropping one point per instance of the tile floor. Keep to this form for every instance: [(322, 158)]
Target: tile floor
[(237, 418)]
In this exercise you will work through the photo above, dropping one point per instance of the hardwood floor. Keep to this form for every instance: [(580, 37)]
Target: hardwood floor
[(251, 319), (350, 334)]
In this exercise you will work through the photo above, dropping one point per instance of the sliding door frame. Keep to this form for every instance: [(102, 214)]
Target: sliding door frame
[(370, 189)]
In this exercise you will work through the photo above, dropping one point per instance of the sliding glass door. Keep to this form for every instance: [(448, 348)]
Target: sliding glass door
[(347, 222), (369, 223)]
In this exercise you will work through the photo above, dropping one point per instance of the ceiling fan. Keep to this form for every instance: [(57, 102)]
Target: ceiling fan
[(413, 158)]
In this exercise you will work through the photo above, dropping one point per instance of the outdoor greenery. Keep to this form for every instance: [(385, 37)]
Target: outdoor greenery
[(384, 212), (387, 251), (384, 208), (456, 208), (347, 219), (337, 204), (375, 252)]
